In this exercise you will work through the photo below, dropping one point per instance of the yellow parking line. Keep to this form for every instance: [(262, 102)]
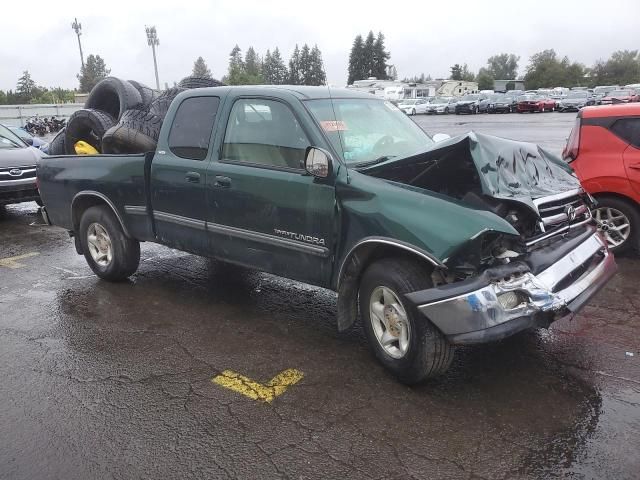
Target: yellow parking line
[(12, 262), (257, 391)]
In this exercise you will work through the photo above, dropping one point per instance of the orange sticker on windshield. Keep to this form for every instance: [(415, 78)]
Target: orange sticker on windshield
[(334, 126)]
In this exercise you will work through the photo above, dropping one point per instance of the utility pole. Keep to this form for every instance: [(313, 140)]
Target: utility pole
[(152, 40), (77, 27)]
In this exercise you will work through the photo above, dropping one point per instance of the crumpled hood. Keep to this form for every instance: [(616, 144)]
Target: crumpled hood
[(507, 169), (19, 157)]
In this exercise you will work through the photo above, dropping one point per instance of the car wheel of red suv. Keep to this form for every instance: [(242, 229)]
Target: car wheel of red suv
[(619, 222)]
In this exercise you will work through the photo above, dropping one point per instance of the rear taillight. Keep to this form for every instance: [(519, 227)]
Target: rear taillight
[(570, 152)]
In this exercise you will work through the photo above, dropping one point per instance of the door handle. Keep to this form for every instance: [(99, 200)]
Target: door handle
[(192, 177), (222, 182), (635, 166)]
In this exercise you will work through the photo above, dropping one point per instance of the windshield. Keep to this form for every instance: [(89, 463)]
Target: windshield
[(470, 97), (408, 102), (367, 130), (577, 95), (440, 100), (8, 139), (621, 93)]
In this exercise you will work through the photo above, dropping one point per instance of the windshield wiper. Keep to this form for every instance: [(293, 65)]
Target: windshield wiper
[(369, 163)]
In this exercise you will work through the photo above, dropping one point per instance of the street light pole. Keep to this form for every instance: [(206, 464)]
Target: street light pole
[(152, 40), (77, 27)]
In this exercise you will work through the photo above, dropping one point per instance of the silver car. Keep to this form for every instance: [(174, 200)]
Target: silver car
[(442, 105)]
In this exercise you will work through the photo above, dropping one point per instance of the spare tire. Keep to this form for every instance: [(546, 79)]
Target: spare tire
[(89, 125), (199, 82), (56, 146), (114, 96), (147, 94), (160, 105), (122, 140)]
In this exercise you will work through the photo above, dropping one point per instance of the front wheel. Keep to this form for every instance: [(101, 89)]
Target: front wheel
[(402, 339), (109, 252), (619, 222), (413, 112)]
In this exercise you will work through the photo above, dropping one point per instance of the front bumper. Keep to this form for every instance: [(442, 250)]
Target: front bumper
[(18, 190), (472, 312)]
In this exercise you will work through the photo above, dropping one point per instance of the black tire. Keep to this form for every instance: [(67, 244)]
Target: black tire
[(413, 111), (632, 212), (160, 105), (446, 110), (125, 251), (114, 96), (428, 354), (56, 146), (88, 125), (142, 121), (120, 139), (147, 94), (199, 82)]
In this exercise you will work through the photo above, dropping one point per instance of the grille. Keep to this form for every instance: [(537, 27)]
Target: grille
[(564, 209), (17, 173)]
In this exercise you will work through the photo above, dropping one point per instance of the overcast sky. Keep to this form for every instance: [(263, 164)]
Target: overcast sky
[(424, 36)]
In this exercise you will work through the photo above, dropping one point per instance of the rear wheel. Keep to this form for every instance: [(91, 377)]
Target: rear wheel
[(619, 222), (109, 252), (402, 339)]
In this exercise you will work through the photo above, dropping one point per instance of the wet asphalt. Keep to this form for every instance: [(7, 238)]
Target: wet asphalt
[(114, 381)]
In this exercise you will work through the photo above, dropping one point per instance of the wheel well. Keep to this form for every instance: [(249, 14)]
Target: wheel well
[(83, 202), (619, 196), (348, 280)]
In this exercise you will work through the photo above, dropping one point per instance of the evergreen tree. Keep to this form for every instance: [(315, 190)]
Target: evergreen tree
[(267, 69), (316, 75), (380, 57), (252, 63), (368, 55), (3, 98), (295, 76), (93, 71), (280, 72), (274, 71), (356, 61), (26, 87), (236, 72), (305, 65), (200, 69)]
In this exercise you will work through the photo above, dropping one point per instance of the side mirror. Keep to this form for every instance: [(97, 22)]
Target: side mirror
[(317, 162), (440, 137)]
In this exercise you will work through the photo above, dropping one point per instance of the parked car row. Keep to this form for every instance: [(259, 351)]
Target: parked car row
[(542, 100)]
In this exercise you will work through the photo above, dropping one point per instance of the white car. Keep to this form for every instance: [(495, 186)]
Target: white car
[(413, 106)]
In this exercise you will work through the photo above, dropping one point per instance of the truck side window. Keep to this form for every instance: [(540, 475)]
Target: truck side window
[(629, 130), (191, 128), (264, 132)]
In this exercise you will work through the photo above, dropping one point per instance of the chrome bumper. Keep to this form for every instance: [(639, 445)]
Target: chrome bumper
[(479, 316)]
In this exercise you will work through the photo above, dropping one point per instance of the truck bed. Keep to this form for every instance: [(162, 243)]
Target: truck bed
[(119, 179)]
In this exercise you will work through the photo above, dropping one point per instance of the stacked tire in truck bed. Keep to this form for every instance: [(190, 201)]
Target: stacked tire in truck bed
[(121, 116)]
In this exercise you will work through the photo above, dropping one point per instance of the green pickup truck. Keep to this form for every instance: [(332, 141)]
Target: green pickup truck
[(432, 245)]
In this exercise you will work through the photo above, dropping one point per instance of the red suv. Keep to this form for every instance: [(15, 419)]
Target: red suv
[(604, 150)]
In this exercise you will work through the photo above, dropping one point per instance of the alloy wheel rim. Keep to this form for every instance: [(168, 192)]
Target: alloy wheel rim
[(99, 243), (614, 225), (389, 322)]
